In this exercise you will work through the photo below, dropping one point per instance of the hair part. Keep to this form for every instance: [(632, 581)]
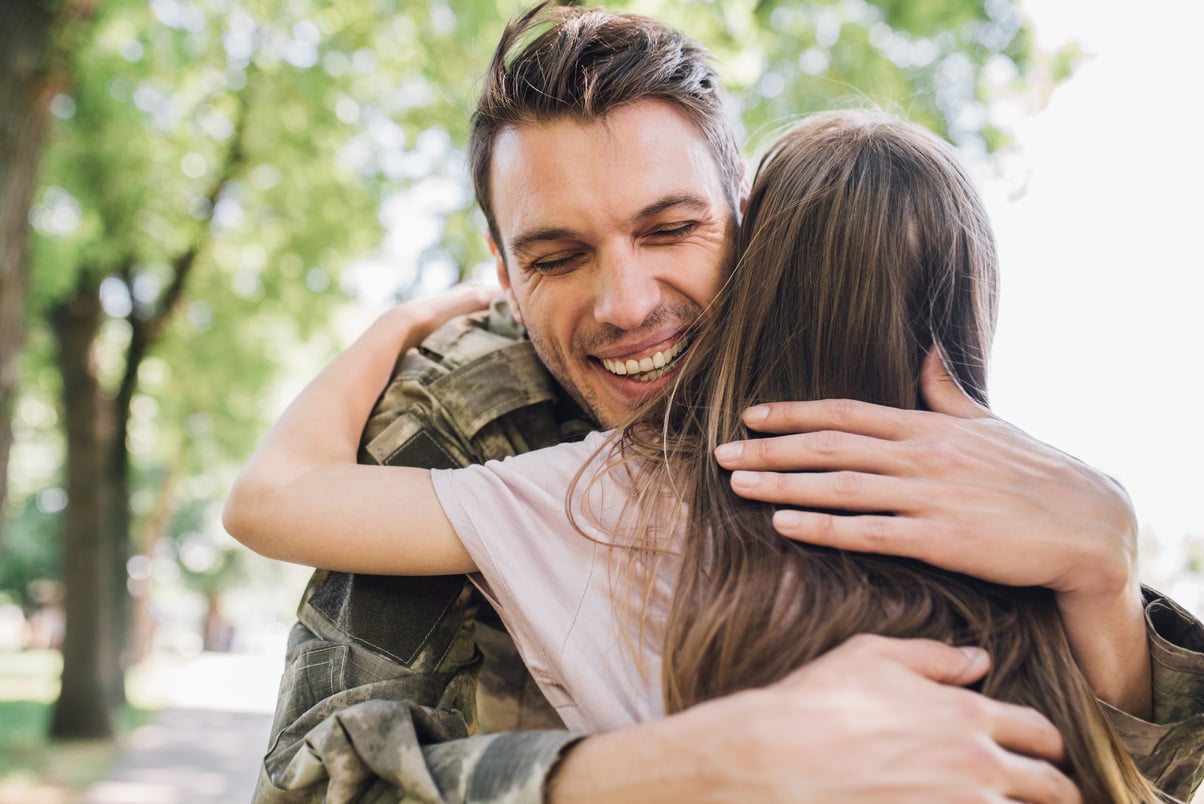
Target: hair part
[(582, 64)]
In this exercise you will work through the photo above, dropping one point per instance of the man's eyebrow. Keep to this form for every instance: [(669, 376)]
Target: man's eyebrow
[(687, 201), (526, 240)]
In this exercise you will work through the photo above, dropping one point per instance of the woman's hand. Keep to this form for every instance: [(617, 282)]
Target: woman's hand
[(420, 317)]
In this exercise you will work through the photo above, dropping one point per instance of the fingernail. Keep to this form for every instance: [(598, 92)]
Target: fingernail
[(976, 656), (729, 452), (756, 413), (745, 480)]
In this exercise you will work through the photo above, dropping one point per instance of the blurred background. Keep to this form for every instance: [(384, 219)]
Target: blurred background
[(201, 201)]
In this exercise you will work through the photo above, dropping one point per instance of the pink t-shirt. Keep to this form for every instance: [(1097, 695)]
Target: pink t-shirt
[(552, 585)]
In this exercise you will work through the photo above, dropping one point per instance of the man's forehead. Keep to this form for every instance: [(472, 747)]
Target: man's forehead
[(637, 162)]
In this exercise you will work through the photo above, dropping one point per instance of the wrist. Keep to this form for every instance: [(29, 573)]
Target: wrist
[(406, 325), (1107, 635), (662, 760)]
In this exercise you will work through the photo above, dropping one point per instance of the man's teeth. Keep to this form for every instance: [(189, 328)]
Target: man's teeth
[(648, 368)]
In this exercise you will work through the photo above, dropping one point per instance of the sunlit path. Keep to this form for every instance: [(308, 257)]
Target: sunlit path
[(188, 756), (206, 742)]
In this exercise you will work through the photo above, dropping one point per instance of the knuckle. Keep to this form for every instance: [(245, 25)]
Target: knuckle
[(777, 484), (938, 452), (865, 643), (1049, 782), (875, 530), (971, 709), (846, 485), (842, 412), (825, 529), (983, 757), (757, 450), (827, 443)]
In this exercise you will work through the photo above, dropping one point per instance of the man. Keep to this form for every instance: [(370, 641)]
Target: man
[(611, 184)]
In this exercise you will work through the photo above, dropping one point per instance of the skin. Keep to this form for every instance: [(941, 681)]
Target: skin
[(607, 257), (612, 275)]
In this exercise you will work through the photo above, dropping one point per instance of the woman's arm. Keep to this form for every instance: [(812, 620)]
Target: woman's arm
[(303, 498)]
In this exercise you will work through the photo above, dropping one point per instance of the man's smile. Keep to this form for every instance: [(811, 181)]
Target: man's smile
[(648, 367)]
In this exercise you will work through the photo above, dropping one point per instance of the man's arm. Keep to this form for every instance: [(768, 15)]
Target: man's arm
[(1169, 747), (966, 491), (876, 719), (381, 709)]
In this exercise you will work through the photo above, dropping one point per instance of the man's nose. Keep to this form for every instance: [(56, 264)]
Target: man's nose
[(627, 290)]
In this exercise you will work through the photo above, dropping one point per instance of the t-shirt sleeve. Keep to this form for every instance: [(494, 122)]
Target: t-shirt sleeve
[(533, 564)]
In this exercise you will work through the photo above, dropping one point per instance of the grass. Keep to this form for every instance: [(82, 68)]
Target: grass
[(34, 770)]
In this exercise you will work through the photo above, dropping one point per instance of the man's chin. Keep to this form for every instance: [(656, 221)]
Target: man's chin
[(612, 399)]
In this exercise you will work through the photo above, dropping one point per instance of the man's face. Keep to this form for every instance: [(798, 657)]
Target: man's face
[(613, 235)]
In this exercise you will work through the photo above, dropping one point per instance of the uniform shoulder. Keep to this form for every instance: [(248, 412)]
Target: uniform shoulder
[(473, 391)]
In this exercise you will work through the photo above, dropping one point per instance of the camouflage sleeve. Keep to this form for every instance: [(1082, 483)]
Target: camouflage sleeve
[(1170, 750), (379, 699), (354, 724)]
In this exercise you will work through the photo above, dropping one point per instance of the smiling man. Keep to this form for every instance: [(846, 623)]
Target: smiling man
[(608, 282), (611, 184)]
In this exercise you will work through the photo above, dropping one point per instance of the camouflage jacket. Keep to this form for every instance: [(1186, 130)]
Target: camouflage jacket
[(408, 689)]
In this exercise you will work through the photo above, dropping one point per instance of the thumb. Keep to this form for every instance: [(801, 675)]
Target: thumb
[(943, 393)]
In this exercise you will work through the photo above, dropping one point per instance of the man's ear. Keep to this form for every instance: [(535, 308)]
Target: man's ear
[(503, 277)]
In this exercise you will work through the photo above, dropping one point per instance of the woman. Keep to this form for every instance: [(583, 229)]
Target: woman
[(864, 245)]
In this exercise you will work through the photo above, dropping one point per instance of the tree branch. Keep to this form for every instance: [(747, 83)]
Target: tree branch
[(146, 330)]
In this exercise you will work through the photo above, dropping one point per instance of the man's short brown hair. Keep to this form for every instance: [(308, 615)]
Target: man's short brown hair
[(584, 64)]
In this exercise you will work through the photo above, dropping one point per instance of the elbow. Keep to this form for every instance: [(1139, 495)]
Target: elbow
[(246, 514)]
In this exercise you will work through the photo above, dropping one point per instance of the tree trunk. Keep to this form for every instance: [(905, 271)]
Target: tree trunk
[(118, 524), (25, 94), (89, 644)]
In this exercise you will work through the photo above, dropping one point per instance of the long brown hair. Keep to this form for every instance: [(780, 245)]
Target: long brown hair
[(864, 245)]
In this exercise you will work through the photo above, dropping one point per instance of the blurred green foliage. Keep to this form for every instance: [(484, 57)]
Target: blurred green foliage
[(272, 138)]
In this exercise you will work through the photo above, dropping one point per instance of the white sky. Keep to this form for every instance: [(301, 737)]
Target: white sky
[(1099, 344)]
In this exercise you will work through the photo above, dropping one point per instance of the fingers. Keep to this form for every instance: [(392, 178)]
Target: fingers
[(424, 316), (1033, 780), (827, 449), (846, 415), (1017, 729), (935, 661), (845, 491), (465, 298), (889, 535), (940, 391), (1021, 731)]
